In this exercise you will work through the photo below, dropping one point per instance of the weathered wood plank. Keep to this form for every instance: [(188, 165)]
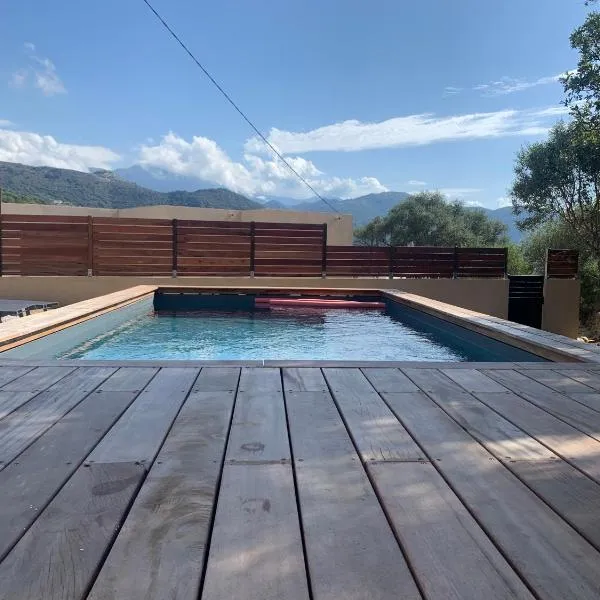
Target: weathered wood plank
[(389, 380), (450, 554), (129, 379), (10, 401), (431, 380), (256, 547), (351, 550), (217, 379), (501, 437), (375, 429), (57, 558), (473, 380), (29, 483), (264, 379), (37, 380), (161, 547), (259, 429), (8, 374), (303, 380), (557, 381), (551, 555), (591, 400), (582, 417), (589, 378), (139, 433), (563, 439), (25, 424), (573, 495)]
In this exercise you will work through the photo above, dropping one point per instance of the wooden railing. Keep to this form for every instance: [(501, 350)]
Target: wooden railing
[(61, 245), (562, 264)]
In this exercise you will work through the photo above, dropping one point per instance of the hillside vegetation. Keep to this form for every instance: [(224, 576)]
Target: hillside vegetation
[(103, 189)]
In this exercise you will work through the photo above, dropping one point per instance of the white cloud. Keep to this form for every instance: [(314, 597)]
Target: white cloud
[(34, 149), (510, 85), (5, 123), (416, 182), (472, 203), (41, 73), (412, 130), (255, 175), (553, 111), (451, 90), (504, 201)]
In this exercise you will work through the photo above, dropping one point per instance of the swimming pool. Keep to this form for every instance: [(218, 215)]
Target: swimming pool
[(228, 327)]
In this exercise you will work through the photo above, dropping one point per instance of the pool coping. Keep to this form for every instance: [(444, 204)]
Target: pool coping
[(554, 347), (27, 329)]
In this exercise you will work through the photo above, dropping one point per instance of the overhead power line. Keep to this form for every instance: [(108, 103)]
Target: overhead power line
[(237, 108)]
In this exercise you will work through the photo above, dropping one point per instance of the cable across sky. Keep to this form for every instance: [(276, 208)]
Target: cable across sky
[(236, 107)]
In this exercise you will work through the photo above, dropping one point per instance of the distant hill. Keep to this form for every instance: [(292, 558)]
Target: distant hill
[(505, 214), (363, 208), (121, 189), (104, 189)]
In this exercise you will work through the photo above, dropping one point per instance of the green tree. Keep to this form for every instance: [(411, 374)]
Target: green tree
[(559, 179), (517, 263), (427, 219)]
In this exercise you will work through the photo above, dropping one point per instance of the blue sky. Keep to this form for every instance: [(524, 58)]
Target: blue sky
[(359, 96)]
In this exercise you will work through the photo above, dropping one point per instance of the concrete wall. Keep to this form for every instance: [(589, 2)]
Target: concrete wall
[(339, 227), (561, 306), (488, 296)]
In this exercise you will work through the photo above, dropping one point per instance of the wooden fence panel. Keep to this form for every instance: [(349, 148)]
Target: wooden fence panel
[(358, 261), (44, 245), (132, 246), (288, 249), (481, 262), (423, 262), (213, 248), (562, 264)]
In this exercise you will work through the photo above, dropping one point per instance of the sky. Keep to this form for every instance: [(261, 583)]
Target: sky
[(360, 97)]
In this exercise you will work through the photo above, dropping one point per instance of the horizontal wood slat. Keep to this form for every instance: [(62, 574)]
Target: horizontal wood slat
[(64, 245), (562, 264)]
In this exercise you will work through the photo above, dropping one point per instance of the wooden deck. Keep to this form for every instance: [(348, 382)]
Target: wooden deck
[(437, 481)]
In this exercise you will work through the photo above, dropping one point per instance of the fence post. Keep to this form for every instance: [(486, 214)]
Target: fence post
[(505, 262), (252, 247), (391, 273), (175, 249), (324, 253), (90, 256), (455, 268)]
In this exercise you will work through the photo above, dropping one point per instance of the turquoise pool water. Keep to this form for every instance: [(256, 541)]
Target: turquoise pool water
[(289, 334)]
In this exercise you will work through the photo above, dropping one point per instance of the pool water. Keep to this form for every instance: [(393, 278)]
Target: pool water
[(290, 334)]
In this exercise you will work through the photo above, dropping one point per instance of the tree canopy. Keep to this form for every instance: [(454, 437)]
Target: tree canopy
[(428, 219), (560, 179)]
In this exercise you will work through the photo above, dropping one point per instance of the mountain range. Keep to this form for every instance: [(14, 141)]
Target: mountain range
[(106, 189), (138, 186)]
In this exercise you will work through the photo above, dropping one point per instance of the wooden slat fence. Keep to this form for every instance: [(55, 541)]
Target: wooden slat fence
[(131, 246), (213, 248), (424, 262), (57, 245), (44, 245), (481, 262), (358, 261), (288, 249), (562, 264)]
